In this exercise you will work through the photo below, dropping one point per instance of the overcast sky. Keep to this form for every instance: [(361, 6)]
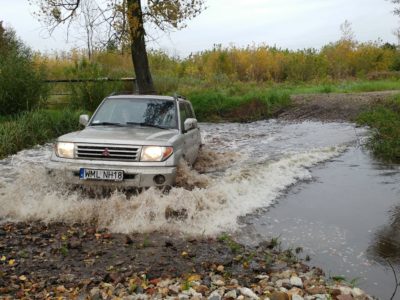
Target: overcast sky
[(293, 24)]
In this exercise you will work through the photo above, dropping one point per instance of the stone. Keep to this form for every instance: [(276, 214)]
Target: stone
[(356, 292), (282, 282), (231, 294), (214, 296), (286, 274), (234, 282), (296, 281), (220, 268), (264, 283), (183, 297), (344, 297), (219, 282), (248, 293), (297, 297), (279, 296), (95, 293), (316, 290), (296, 291), (202, 289), (345, 290)]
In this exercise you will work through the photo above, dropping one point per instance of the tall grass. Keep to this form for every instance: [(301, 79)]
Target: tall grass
[(32, 128), (384, 119), (228, 105)]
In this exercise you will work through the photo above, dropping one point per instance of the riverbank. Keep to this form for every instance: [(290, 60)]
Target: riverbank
[(82, 261)]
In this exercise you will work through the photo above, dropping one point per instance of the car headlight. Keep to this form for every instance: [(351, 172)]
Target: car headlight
[(155, 153), (65, 150)]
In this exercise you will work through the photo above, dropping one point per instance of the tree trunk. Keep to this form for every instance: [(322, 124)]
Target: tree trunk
[(138, 48)]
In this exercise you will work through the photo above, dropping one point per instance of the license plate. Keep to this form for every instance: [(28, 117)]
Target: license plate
[(93, 174)]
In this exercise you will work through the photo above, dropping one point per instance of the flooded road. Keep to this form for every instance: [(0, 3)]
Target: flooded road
[(309, 183)]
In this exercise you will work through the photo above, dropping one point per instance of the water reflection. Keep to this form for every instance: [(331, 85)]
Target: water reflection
[(385, 245)]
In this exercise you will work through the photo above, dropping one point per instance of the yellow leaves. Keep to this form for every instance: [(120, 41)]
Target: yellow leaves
[(194, 277), (11, 262), (22, 278), (3, 258)]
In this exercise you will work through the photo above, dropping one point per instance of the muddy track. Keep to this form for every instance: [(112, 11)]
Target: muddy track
[(332, 107)]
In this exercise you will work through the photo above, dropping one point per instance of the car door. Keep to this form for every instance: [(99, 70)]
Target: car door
[(190, 144)]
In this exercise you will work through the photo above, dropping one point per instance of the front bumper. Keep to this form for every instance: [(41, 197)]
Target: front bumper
[(140, 176)]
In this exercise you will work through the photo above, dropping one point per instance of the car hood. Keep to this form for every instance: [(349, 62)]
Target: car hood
[(122, 135)]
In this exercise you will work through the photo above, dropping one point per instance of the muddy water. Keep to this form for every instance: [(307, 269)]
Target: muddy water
[(309, 183)]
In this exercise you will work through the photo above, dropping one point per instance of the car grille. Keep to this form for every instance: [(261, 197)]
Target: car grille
[(108, 152)]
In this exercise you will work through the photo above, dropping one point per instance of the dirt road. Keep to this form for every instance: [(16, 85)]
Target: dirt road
[(332, 107)]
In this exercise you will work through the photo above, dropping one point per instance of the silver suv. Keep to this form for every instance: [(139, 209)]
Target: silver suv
[(130, 141)]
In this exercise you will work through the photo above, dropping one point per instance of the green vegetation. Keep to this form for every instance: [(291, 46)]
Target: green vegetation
[(88, 95), (21, 86), (32, 128), (384, 119)]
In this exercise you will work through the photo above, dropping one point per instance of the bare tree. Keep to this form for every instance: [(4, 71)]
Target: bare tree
[(124, 22), (347, 31)]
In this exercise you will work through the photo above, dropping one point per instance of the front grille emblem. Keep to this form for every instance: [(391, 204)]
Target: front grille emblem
[(105, 152)]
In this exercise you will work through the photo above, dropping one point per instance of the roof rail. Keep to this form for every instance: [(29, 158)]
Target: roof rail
[(122, 93), (176, 96)]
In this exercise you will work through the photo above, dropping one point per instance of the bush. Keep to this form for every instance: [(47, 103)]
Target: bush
[(385, 121), (88, 95), (32, 128), (21, 81)]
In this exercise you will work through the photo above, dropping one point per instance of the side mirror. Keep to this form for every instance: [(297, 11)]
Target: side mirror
[(190, 123), (83, 120)]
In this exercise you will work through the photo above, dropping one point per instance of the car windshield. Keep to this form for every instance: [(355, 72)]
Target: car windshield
[(136, 112)]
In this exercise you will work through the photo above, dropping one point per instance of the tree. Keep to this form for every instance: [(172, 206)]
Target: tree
[(21, 79), (125, 20)]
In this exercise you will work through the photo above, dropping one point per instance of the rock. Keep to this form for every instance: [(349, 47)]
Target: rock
[(220, 268), (248, 293), (74, 243), (282, 282), (264, 283), (234, 282), (279, 296), (219, 282), (277, 267), (356, 292), (183, 296), (344, 297), (296, 291), (297, 297), (345, 290), (318, 297), (316, 290), (95, 294), (164, 283), (286, 274), (201, 289), (214, 296), (231, 294), (296, 281)]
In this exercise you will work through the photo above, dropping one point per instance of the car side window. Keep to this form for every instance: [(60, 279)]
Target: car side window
[(189, 111), (182, 112)]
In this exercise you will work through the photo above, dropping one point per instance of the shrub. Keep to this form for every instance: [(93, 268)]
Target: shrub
[(385, 122), (21, 81), (88, 95), (32, 128)]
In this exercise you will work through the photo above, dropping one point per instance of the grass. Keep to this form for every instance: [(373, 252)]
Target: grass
[(225, 105), (384, 119), (32, 128)]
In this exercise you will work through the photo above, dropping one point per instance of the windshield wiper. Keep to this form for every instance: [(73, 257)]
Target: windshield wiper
[(107, 123), (147, 125)]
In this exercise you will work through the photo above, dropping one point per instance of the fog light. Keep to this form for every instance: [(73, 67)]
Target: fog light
[(159, 179)]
